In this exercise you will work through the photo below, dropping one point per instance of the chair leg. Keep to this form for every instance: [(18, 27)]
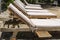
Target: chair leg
[(13, 39), (14, 35)]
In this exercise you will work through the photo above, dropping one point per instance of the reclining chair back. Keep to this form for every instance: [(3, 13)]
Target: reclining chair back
[(21, 15), (20, 7)]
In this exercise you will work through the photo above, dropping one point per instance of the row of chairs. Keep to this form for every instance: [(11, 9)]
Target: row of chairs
[(32, 15), (38, 19), (19, 9)]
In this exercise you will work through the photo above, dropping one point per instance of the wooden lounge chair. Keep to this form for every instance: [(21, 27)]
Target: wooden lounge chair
[(28, 7), (37, 24), (32, 14), (31, 4), (19, 4)]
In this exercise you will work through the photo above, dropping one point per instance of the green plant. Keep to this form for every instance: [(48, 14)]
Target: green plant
[(5, 4)]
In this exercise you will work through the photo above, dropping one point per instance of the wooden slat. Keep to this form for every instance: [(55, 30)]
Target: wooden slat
[(27, 29), (14, 35), (38, 17), (42, 16), (13, 29), (43, 34), (24, 27)]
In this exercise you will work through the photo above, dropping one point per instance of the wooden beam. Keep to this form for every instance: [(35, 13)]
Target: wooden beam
[(12, 29), (14, 35), (0, 34), (43, 34), (42, 16), (1, 26), (27, 29), (22, 27)]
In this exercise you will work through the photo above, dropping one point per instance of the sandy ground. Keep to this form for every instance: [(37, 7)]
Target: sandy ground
[(55, 10)]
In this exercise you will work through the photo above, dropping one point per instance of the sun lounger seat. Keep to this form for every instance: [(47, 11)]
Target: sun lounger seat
[(41, 14), (46, 22)]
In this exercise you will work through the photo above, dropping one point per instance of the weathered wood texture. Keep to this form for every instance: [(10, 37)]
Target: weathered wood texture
[(43, 34)]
